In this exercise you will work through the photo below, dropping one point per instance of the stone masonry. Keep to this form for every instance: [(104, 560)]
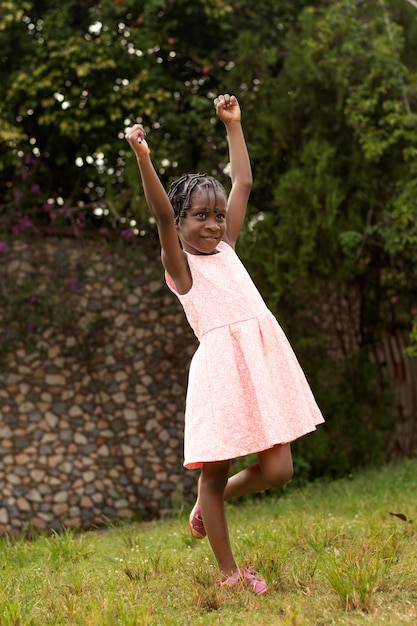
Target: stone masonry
[(91, 409)]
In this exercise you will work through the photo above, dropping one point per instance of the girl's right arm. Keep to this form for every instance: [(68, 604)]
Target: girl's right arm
[(172, 255)]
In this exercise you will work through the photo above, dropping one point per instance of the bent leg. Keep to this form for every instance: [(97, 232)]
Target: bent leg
[(274, 469), (276, 465), (214, 478)]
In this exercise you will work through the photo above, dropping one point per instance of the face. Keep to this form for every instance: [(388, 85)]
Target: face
[(200, 230)]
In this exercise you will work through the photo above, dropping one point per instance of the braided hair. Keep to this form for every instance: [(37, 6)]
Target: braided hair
[(179, 193)]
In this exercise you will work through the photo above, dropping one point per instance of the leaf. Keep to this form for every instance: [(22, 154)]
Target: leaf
[(401, 516)]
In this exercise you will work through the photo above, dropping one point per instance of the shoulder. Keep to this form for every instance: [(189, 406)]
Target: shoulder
[(226, 241), (226, 246)]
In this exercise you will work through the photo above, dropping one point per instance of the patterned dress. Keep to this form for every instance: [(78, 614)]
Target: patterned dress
[(246, 389)]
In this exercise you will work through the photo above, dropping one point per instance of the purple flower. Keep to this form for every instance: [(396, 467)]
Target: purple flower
[(66, 211), (49, 208), (127, 233), (73, 284), (3, 248), (17, 194), (22, 225)]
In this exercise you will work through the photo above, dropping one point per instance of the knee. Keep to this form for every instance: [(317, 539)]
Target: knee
[(278, 475), (214, 476), (287, 472)]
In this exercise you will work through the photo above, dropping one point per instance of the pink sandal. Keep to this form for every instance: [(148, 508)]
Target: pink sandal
[(197, 529), (246, 577)]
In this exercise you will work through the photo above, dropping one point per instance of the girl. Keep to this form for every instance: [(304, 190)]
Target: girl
[(246, 390)]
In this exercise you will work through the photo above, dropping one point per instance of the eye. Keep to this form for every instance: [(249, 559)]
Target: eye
[(221, 216)]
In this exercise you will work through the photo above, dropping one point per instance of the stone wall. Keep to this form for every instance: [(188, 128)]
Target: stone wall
[(93, 371)]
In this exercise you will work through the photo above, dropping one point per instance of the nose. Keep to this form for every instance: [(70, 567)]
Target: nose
[(212, 224)]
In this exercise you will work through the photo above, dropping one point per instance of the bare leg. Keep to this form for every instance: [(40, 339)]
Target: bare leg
[(274, 469), (214, 478)]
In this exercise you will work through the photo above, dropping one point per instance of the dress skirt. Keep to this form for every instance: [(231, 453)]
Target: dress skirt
[(246, 393)]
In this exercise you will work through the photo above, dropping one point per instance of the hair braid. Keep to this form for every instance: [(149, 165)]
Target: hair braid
[(179, 193)]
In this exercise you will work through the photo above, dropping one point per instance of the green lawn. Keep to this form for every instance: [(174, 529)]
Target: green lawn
[(333, 553)]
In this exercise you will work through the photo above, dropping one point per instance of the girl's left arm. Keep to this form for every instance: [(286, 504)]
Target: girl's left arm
[(228, 110)]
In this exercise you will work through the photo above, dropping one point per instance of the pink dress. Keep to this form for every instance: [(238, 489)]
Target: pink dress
[(246, 389)]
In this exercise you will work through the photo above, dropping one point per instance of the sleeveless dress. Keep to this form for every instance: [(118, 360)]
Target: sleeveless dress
[(246, 390)]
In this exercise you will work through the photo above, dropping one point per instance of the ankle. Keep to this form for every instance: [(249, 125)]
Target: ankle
[(227, 572)]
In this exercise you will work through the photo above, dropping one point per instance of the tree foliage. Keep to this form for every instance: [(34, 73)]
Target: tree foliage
[(74, 75), (343, 206)]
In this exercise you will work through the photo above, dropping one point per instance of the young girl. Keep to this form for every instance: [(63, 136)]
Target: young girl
[(246, 390)]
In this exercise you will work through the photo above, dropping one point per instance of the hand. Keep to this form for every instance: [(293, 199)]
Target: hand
[(136, 138), (227, 108)]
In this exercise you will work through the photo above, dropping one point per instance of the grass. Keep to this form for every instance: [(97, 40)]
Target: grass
[(334, 553)]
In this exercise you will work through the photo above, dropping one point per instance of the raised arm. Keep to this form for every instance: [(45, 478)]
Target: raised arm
[(172, 255), (228, 110)]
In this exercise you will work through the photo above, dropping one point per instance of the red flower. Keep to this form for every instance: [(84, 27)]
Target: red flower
[(138, 22)]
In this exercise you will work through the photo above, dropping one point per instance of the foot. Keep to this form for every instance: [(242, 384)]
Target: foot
[(196, 521), (246, 577)]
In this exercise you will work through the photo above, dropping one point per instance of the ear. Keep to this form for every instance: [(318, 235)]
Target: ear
[(177, 228)]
